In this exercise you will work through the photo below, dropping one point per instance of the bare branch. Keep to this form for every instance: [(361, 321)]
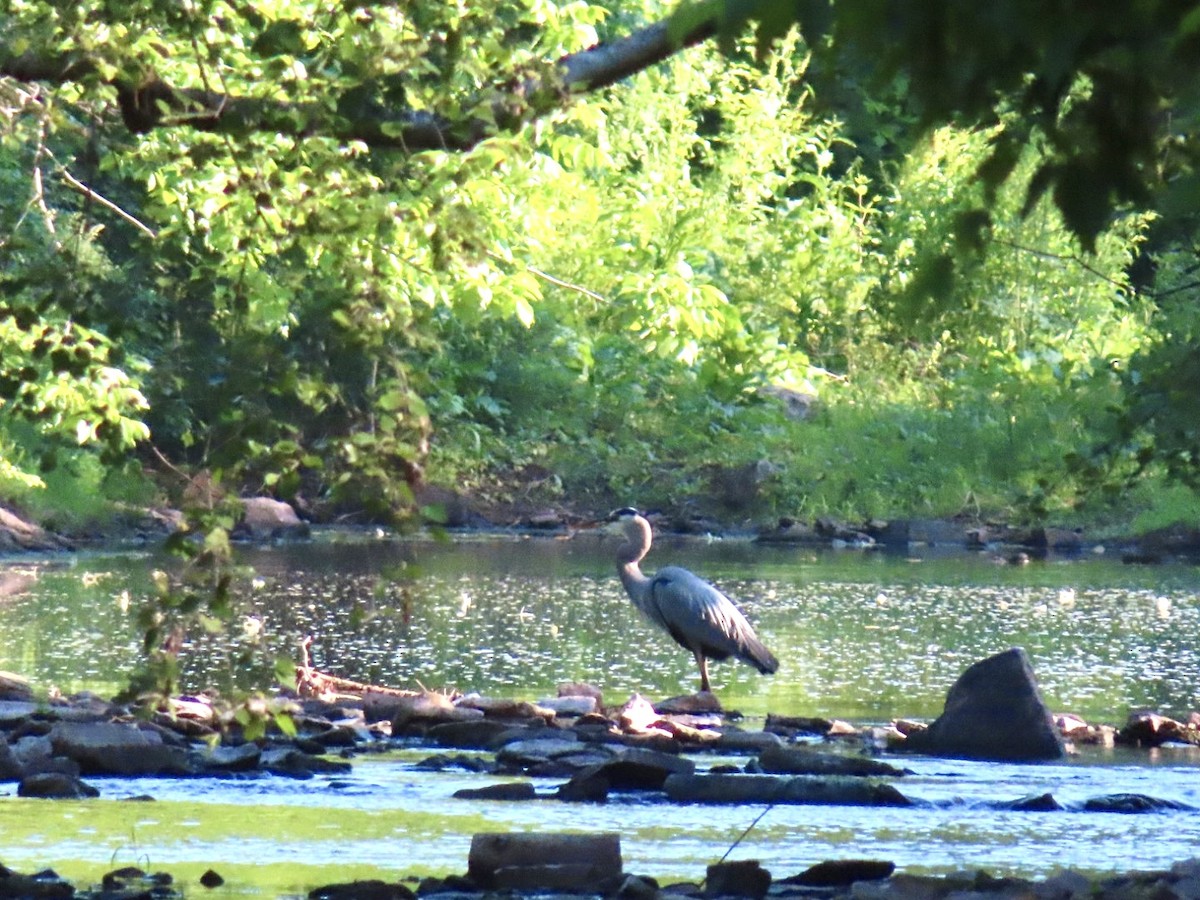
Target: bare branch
[(75, 184)]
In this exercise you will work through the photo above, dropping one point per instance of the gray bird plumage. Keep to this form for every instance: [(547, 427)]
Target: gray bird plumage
[(697, 615)]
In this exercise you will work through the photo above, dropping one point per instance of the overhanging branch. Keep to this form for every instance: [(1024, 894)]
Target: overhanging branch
[(154, 103)]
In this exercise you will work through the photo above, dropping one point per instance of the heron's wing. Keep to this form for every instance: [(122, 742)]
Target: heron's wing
[(701, 618)]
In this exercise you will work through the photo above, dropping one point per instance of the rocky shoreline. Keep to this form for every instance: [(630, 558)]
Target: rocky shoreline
[(267, 519), (664, 752)]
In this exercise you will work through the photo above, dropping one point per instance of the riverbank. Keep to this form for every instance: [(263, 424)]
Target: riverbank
[(266, 519)]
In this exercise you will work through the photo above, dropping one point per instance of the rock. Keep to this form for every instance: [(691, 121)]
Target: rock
[(1040, 803), (637, 715), (340, 735), (1131, 803), (633, 770), (699, 702), (532, 861), (1064, 885), (545, 519), (242, 758), (211, 879), (588, 786), (720, 789), (512, 790), (369, 889), (842, 872), (451, 884), (131, 882), (502, 708), (35, 753), (797, 404), (782, 760), (11, 766), (787, 726), (439, 763), (993, 711), (110, 748), (637, 887), (1148, 729), (45, 885), (1178, 539), (293, 763), (787, 531), (744, 878), (581, 689), (427, 708), (474, 734), (55, 786), (15, 692), (735, 741), (535, 750), (17, 535), (266, 519), (570, 707)]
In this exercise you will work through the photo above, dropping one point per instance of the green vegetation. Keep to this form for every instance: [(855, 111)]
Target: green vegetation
[(328, 253)]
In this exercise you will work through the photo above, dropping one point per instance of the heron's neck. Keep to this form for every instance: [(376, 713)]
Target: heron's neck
[(628, 556), (632, 578)]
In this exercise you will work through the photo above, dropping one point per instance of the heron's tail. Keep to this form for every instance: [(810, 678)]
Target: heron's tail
[(755, 652)]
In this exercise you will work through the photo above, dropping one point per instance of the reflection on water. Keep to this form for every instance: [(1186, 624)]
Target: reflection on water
[(863, 637), (866, 637)]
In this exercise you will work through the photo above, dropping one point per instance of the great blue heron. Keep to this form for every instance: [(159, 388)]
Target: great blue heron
[(696, 614)]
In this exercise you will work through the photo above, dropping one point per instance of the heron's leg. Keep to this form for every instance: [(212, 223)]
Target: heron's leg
[(702, 662)]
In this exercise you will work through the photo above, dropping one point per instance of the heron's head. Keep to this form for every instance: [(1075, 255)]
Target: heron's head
[(625, 521)]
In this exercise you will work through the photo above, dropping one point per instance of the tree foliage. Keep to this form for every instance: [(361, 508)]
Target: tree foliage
[(547, 250)]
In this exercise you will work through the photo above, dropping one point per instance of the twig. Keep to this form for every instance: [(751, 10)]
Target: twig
[(749, 828), (90, 194), (566, 284), (546, 276)]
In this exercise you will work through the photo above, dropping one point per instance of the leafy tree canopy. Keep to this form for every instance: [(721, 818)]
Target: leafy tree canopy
[(1109, 88)]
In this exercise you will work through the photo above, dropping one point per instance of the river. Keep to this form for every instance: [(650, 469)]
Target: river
[(862, 636)]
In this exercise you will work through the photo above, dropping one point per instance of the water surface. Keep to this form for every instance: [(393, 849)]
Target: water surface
[(861, 636)]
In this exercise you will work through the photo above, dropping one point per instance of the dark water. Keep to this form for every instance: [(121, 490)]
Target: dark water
[(864, 637)]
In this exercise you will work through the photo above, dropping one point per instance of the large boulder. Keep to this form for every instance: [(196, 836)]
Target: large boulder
[(533, 862), (995, 712)]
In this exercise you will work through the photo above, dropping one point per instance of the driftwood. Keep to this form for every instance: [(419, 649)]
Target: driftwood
[(311, 682)]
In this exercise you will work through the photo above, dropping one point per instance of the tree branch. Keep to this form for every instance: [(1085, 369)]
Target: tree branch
[(155, 104)]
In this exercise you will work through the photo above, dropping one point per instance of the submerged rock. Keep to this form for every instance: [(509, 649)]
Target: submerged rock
[(842, 872), (779, 789), (368, 889), (804, 761), (55, 786), (1132, 803), (509, 790)]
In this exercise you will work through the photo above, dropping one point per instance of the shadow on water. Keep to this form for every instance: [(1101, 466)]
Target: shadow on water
[(861, 636)]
